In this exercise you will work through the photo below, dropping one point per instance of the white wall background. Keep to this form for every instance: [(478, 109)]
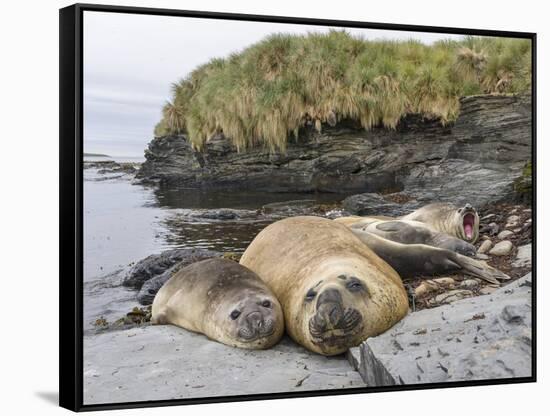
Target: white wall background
[(29, 208)]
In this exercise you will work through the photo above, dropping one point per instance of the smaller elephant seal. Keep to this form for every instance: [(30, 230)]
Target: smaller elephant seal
[(461, 223), (335, 292), (223, 300)]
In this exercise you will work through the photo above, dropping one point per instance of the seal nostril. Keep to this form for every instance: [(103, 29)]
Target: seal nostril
[(335, 315)]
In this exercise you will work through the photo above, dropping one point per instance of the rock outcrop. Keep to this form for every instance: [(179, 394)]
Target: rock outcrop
[(477, 159), (480, 338)]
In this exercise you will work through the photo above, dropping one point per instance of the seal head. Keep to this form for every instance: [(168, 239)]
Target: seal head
[(467, 223), (332, 309), (223, 300)]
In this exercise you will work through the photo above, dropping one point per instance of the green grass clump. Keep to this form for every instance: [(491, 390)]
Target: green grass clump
[(266, 93)]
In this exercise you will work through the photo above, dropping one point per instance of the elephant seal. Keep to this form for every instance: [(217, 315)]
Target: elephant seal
[(461, 223), (414, 232), (335, 292), (413, 249), (224, 301)]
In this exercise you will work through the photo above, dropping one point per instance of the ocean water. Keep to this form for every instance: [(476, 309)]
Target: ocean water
[(125, 222)]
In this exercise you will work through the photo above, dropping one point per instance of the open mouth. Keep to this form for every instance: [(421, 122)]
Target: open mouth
[(468, 222)]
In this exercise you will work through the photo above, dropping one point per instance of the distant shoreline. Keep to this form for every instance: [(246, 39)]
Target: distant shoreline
[(95, 155)]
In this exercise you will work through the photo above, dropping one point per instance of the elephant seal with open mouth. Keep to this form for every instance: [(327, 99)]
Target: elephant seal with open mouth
[(460, 222), (334, 291), (223, 300)]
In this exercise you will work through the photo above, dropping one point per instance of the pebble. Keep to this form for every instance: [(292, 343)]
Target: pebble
[(485, 246), (527, 210), (488, 217), (513, 221), (424, 288), (493, 228), (469, 284), (502, 248), (504, 234), (445, 281), (482, 256)]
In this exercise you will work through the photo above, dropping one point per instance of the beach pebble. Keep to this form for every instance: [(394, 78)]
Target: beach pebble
[(469, 284), (482, 256), (502, 248), (513, 221), (488, 217), (485, 246), (491, 229), (424, 288), (523, 258), (504, 234), (445, 281)]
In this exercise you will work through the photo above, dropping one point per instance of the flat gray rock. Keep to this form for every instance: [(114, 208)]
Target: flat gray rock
[(523, 258), (485, 337), (167, 362)]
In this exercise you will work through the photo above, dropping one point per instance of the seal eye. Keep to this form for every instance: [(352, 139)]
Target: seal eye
[(310, 295), (354, 285), (266, 304), (235, 314)]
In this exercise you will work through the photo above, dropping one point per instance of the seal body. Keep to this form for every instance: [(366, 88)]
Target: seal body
[(460, 222), (414, 232), (413, 249), (335, 292), (223, 300)]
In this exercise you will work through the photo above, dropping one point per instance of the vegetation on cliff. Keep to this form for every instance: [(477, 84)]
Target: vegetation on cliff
[(266, 93)]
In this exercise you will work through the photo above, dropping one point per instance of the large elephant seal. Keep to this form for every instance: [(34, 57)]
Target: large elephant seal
[(460, 222), (223, 300), (335, 292), (412, 249)]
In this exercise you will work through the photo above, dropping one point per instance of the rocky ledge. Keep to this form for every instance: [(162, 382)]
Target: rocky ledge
[(486, 337), (476, 159)]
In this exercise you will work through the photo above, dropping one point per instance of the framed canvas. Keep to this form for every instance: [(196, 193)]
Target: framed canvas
[(256, 207)]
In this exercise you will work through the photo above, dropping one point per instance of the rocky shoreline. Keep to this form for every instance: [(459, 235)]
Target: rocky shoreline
[(477, 159)]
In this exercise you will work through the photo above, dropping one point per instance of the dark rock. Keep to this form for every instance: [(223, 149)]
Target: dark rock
[(480, 338), (295, 207), (475, 160), (372, 204), (156, 264), (221, 214)]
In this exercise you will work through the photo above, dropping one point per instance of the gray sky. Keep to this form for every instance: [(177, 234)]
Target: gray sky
[(130, 62)]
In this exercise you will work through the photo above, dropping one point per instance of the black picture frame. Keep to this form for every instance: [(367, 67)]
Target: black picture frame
[(71, 202)]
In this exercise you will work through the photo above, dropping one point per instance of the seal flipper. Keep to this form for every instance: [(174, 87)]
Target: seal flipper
[(479, 269), (159, 319)]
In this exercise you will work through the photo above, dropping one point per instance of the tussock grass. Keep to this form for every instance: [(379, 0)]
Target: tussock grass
[(266, 93)]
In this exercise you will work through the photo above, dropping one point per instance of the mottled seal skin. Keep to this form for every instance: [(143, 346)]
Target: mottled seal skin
[(223, 300), (460, 222), (335, 292)]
